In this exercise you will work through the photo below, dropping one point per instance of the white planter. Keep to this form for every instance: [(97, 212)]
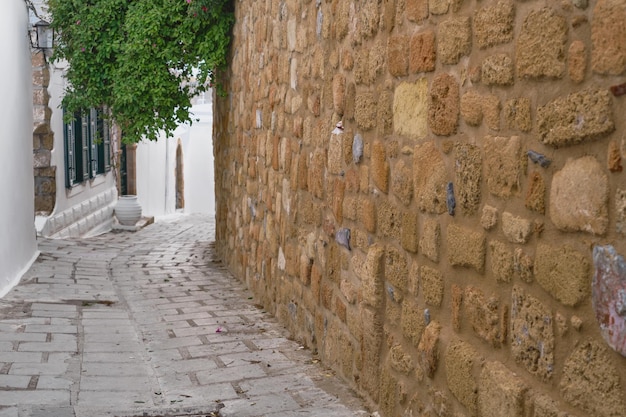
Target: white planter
[(128, 210)]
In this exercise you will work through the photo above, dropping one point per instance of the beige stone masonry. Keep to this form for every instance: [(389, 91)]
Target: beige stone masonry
[(480, 163)]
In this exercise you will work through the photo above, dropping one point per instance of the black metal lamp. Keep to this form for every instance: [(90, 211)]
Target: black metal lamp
[(43, 35)]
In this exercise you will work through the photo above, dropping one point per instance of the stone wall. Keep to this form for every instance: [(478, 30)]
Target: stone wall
[(436, 247), (43, 137)]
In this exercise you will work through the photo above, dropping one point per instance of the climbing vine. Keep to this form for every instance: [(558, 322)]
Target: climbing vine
[(143, 59)]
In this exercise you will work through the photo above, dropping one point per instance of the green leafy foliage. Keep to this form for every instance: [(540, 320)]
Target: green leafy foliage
[(143, 59)]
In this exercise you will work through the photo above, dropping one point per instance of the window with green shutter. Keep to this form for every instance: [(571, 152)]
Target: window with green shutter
[(87, 146)]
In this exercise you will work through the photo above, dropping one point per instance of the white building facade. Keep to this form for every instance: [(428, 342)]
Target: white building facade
[(75, 163), (176, 174), (18, 247)]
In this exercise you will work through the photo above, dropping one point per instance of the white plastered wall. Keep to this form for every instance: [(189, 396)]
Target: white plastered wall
[(18, 246), (156, 167)]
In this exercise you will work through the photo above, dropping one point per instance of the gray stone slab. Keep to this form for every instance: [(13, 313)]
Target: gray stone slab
[(112, 357), (270, 405), (60, 346), (14, 381), (114, 369), (29, 357), (120, 347), (23, 337), (37, 397), (9, 412), (50, 328), (115, 383), (115, 399), (56, 368), (53, 382), (230, 374), (48, 412)]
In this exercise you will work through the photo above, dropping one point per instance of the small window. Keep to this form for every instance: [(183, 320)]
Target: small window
[(87, 146)]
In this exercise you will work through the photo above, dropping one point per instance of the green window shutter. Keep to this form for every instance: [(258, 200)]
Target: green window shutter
[(84, 147), (93, 143), (70, 153)]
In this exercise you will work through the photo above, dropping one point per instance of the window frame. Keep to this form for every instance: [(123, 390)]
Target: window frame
[(87, 142)]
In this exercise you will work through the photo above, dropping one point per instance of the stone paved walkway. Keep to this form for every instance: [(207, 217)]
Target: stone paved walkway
[(150, 324)]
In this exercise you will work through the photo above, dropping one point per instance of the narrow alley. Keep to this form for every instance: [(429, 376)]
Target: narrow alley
[(151, 324)]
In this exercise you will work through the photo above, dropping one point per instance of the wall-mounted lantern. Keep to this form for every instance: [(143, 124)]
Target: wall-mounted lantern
[(42, 36)]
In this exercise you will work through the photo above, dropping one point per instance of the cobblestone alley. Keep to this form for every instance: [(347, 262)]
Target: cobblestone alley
[(150, 324)]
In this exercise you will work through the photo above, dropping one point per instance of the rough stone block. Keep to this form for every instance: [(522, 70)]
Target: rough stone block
[(540, 48), (532, 334), (620, 211), (516, 229), (545, 406), (423, 56), (614, 157), (396, 268), (432, 285), (377, 61), (380, 166), (536, 193), (466, 247), (461, 362), (468, 174), (523, 265), (430, 178), (577, 61), (339, 188), (416, 10), (483, 314), (493, 24), (389, 219), (365, 110), (372, 276), (563, 272), (443, 110), (367, 214), (397, 58), (517, 114), (576, 118), (389, 393), (454, 39), (369, 19), (339, 93), (471, 108), (491, 110), (412, 321), (501, 392), (501, 261), (315, 179), (438, 7), (428, 349), (370, 350), (497, 70), (409, 231), (400, 360), (579, 197), (590, 381), (430, 240), (384, 112), (402, 182), (335, 154), (410, 109), (489, 217), (502, 164), (608, 37)]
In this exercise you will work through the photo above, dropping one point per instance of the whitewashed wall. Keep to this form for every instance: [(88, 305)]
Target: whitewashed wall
[(156, 167), (18, 246)]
